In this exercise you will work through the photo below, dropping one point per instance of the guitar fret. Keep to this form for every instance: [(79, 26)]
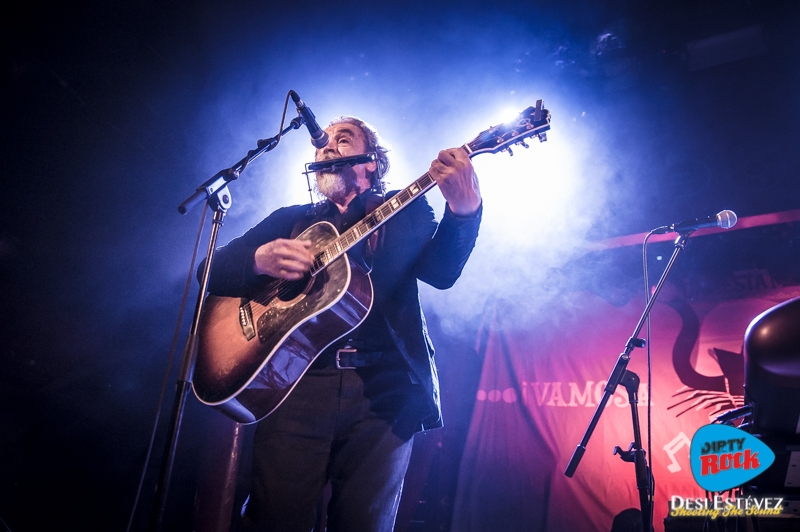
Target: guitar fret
[(373, 220)]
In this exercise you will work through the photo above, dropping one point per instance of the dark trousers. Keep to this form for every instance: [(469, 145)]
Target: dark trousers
[(350, 427)]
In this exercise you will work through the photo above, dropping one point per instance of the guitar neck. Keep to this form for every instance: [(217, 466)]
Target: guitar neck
[(532, 122), (373, 221)]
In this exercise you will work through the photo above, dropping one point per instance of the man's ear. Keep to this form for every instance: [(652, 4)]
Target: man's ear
[(370, 167)]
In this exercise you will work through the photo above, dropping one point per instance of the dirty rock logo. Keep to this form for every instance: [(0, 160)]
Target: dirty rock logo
[(724, 457)]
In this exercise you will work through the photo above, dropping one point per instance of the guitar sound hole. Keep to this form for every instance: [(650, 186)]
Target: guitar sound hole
[(292, 289)]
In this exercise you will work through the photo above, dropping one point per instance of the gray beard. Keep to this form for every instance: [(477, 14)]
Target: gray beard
[(335, 187)]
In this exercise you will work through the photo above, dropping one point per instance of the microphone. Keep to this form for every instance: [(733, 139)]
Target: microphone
[(724, 219), (332, 165), (318, 136)]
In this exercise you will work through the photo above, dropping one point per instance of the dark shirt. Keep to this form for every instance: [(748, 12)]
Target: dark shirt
[(410, 246)]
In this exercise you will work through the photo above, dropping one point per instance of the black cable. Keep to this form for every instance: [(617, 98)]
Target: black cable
[(651, 478), (278, 137), (171, 358), (7, 528)]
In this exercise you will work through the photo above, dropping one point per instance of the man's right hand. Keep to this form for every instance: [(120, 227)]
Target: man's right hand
[(284, 259)]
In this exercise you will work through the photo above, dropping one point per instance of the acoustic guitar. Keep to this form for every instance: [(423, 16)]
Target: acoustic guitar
[(252, 352)]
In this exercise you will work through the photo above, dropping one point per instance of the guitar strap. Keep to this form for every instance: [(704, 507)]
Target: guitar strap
[(371, 202), (374, 201)]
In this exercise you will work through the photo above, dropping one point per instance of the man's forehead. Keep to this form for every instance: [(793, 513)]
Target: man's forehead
[(345, 128)]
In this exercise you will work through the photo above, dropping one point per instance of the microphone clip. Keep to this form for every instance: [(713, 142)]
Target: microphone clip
[(334, 165)]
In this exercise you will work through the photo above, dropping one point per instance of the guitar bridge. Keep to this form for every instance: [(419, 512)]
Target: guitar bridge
[(246, 319)]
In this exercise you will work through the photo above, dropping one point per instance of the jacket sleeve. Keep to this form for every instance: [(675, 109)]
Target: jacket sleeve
[(443, 258), (232, 272), (434, 254)]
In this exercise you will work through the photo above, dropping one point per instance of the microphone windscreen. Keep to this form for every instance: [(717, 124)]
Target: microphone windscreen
[(726, 219)]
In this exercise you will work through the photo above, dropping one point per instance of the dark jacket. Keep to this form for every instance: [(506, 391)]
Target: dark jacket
[(410, 246)]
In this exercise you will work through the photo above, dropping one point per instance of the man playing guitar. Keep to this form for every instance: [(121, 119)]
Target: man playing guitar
[(351, 418)]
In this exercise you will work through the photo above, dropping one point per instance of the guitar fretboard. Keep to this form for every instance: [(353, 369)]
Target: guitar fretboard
[(371, 222)]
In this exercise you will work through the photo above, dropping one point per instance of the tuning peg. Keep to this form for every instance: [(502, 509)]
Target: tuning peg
[(542, 137), (511, 153), (523, 144)]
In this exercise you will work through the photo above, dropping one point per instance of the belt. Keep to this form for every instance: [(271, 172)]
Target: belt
[(352, 358)]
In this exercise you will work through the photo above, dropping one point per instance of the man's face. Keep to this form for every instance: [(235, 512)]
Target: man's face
[(344, 140)]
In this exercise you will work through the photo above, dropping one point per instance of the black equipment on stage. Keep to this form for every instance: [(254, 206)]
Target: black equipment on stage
[(772, 390)]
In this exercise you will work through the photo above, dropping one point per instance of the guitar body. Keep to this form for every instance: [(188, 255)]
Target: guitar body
[(252, 353)]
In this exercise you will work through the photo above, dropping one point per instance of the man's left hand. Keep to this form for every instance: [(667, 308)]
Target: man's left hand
[(456, 177)]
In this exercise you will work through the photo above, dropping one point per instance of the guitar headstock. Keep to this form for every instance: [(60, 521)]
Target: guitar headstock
[(532, 122)]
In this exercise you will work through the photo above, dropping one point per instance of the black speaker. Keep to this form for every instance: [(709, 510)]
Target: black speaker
[(772, 389), (772, 369)]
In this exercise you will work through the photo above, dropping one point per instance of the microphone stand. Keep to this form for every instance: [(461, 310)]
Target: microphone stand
[(629, 379), (215, 192)]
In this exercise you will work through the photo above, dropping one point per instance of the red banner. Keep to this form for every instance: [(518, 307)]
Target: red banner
[(540, 386)]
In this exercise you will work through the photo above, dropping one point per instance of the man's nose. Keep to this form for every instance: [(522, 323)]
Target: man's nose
[(323, 153)]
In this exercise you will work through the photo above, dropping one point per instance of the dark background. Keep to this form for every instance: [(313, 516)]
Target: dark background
[(113, 113)]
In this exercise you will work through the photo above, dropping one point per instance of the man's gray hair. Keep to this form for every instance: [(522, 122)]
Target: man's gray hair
[(374, 144)]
